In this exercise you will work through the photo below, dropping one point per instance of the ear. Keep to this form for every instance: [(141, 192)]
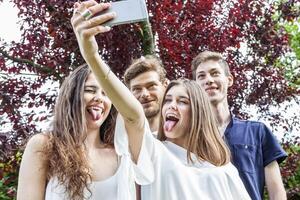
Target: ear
[(166, 83), (230, 80)]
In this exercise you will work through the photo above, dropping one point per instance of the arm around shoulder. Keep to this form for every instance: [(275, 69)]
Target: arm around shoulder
[(33, 170), (274, 182)]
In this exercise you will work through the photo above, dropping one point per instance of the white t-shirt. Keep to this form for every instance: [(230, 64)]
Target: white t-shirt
[(165, 174)]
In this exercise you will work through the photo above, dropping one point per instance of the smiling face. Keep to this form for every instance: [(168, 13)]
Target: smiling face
[(149, 90), (97, 104), (176, 113), (211, 76)]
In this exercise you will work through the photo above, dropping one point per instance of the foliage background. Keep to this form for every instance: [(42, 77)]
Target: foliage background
[(260, 39)]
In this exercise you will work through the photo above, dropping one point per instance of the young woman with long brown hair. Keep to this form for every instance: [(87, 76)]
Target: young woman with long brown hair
[(76, 158), (190, 161)]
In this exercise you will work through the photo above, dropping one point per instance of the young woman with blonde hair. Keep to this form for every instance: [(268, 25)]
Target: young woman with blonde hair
[(191, 161), (202, 138)]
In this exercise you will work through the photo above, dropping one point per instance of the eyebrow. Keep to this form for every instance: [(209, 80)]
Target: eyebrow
[(213, 69), (180, 97), (91, 86), (184, 97), (200, 73), (148, 83)]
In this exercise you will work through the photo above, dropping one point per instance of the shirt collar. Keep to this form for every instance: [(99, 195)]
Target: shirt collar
[(229, 126)]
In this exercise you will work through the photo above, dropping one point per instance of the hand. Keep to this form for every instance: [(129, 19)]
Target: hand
[(86, 27)]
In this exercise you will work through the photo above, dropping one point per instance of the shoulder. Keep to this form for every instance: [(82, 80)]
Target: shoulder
[(250, 126), (34, 154), (220, 172), (237, 121), (37, 142), (229, 167), (229, 171)]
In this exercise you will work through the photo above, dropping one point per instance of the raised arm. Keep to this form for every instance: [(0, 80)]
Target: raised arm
[(127, 105)]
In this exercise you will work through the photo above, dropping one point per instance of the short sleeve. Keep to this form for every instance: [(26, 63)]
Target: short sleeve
[(272, 150), (143, 170)]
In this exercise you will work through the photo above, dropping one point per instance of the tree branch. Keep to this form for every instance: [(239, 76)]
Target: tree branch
[(147, 38), (41, 68)]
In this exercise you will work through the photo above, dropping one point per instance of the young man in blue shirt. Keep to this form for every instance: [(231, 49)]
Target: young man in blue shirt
[(255, 151)]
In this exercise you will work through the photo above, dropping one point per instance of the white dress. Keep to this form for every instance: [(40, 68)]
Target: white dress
[(165, 174), (120, 186)]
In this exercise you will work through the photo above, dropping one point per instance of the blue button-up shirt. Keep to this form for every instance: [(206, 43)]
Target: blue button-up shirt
[(253, 146)]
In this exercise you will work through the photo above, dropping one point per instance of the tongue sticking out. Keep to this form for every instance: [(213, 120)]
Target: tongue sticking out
[(168, 126), (94, 113)]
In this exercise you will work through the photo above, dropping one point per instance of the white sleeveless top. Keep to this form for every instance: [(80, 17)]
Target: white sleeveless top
[(105, 189), (120, 186)]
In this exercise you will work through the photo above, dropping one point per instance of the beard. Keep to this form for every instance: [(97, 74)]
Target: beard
[(151, 112)]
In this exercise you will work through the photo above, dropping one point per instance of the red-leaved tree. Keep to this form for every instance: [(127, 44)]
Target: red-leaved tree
[(245, 31)]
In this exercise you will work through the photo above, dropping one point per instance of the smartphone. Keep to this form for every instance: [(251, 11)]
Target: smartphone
[(128, 11)]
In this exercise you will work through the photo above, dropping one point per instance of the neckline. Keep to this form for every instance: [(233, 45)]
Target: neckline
[(110, 177), (181, 154)]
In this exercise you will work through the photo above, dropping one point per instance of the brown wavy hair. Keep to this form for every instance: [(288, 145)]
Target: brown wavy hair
[(142, 65), (65, 149), (204, 139)]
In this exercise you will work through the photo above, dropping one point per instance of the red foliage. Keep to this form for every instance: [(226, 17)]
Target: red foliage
[(49, 50)]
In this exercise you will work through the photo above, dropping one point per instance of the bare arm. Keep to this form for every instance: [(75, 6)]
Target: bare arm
[(274, 182), (127, 105), (33, 171)]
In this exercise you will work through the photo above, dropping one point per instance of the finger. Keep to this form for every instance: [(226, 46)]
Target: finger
[(98, 8), (78, 14), (79, 8), (76, 5), (99, 20), (92, 6), (87, 33), (87, 4), (93, 22)]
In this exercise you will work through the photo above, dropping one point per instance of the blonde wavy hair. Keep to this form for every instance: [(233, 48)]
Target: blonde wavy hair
[(65, 149), (204, 139)]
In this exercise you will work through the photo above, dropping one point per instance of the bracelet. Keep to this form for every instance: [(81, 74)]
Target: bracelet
[(107, 74)]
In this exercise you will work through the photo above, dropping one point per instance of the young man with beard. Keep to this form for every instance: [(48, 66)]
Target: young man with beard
[(255, 151), (146, 79)]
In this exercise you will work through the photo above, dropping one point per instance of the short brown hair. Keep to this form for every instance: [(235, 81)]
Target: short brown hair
[(142, 65), (209, 55)]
